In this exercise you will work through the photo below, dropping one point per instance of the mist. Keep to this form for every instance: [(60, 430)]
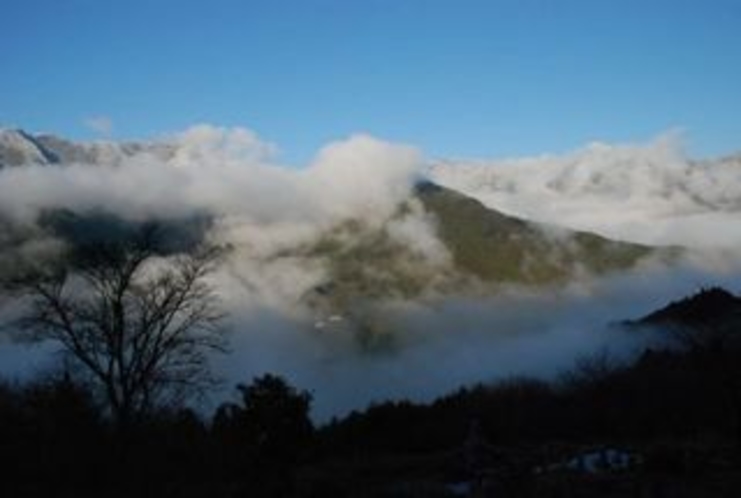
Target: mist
[(649, 192), (424, 350), (414, 347)]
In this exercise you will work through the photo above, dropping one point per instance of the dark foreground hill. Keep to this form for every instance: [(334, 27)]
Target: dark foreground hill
[(706, 308), (709, 318)]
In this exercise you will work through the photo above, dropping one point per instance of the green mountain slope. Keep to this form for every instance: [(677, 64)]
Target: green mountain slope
[(495, 247), (486, 249)]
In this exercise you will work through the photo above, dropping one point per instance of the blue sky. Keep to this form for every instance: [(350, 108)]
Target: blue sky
[(457, 78)]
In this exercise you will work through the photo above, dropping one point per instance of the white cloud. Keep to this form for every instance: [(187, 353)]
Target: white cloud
[(262, 207), (645, 192), (102, 125), (650, 193)]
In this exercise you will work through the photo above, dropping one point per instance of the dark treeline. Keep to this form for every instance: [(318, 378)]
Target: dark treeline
[(55, 438), (676, 410)]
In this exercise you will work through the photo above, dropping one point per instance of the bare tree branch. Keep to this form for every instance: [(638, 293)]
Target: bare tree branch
[(140, 323)]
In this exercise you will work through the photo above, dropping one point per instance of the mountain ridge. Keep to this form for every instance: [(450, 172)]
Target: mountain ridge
[(707, 308), (474, 244), (19, 148)]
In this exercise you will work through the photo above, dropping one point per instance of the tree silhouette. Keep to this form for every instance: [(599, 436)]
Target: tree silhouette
[(268, 434), (138, 321)]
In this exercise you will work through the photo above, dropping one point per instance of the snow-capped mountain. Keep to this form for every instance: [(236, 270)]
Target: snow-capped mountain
[(648, 194), (18, 148)]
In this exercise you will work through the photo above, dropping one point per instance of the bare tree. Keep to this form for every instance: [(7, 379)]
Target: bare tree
[(138, 322)]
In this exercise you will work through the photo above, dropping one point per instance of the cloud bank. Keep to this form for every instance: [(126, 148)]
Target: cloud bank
[(649, 193), (102, 125), (401, 347)]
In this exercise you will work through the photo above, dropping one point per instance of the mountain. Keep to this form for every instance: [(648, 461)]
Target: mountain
[(709, 318), (497, 247), (437, 241), (482, 250), (487, 249), (19, 148), (701, 310)]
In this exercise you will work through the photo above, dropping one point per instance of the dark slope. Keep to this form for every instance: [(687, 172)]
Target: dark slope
[(707, 320), (701, 309)]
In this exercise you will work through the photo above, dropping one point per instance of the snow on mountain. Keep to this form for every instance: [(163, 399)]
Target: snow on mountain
[(17, 148), (647, 193), (100, 152)]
